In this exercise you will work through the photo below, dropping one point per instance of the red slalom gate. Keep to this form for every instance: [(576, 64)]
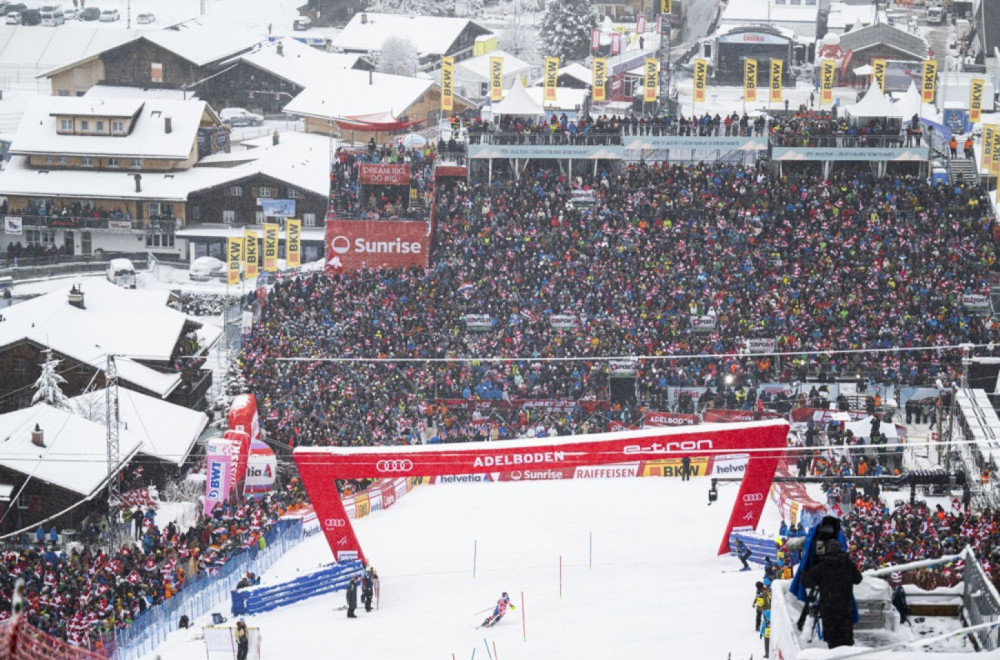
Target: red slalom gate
[(320, 467)]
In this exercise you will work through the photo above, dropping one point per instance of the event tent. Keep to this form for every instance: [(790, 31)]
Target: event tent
[(517, 102), (873, 104)]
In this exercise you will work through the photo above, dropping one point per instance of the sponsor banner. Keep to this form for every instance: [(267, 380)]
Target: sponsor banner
[(750, 80), (546, 458), (640, 24), (13, 225), (595, 39), (857, 154), (252, 258), (496, 78), (666, 6), (651, 79), (700, 79), (703, 323), (827, 68), (447, 84), (239, 443), (478, 322), (662, 142), (461, 479), (599, 70), (729, 465), (384, 174), (987, 155), (776, 94), (542, 405), (654, 419), (277, 208), (590, 152), (362, 507), (995, 156), (976, 87), (243, 415), (976, 302), (374, 500), (825, 416), (234, 260), (261, 468), (613, 471), (616, 43), (218, 477), (721, 415), (615, 425), (754, 38), (929, 83), (353, 244), (623, 368), (293, 243), (120, 225), (583, 198), (271, 247), (878, 74), (673, 467), (551, 77), (563, 321), (761, 345)]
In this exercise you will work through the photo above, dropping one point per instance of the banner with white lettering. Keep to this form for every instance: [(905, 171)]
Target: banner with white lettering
[(321, 467), (353, 244), (384, 174), (563, 321), (218, 478), (654, 419), (622, 368), (761, 345), (976, 302), (703, 323), (478, 322)]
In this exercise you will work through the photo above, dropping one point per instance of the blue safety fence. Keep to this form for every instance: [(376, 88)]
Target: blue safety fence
[(204, 593), (759, 546), (254, 600)]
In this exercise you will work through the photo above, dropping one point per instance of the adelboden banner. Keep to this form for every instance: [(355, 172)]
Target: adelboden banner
[(353, 244), (321, 467)]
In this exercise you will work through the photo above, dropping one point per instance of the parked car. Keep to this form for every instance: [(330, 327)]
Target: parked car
[(302, 24), (110, 15), (240, 117), (71, 14), (31, 17), (90, 14), (145, 19), (121, 272), (13, 18), (52, 17), (204, 269)]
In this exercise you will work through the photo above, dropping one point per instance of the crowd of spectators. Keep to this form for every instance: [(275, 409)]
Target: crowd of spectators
[(835, 266), (825, 129), (84, 594), (369, 202)]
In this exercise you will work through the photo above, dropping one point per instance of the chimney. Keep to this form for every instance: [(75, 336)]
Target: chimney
[(364, 18), (38, 436), (280, 49), (138, 182), (76, 296), (168, 125)]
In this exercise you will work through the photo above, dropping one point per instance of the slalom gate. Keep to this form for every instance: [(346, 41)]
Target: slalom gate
[(254, 600)]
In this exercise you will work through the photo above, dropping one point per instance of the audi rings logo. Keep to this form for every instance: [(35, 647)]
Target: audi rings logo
[(334, 522), (750, 498), (403, 465), (340, 244)]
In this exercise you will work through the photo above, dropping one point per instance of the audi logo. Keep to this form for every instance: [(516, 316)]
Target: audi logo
[(334, 522), (753, 497), (403, 465)]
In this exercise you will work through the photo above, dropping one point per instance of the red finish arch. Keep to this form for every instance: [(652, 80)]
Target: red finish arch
[(320, 467)]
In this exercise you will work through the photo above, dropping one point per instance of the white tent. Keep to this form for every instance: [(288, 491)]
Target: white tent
[(862, 428), (873, 104), (911, 103), (517, 102)]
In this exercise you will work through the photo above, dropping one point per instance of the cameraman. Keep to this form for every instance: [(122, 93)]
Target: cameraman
[(835, 576)]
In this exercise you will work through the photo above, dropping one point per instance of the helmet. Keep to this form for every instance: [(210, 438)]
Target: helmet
[(505, 595)]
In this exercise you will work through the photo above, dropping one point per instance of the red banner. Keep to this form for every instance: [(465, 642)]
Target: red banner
[(384, 174), (353, 244), (655, 419), (240, 444), (321, 467), (724, 416)]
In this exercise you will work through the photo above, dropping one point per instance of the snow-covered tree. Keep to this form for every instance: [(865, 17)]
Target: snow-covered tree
[(233, 383), (412, 7), (398, 57), (47, 387), (519, 39), (566, 29)]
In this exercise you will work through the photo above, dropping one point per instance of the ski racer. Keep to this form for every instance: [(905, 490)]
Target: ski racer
[(499, 611)]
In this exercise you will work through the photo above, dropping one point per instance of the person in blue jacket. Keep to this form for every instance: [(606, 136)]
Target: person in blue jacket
[(765, 632)]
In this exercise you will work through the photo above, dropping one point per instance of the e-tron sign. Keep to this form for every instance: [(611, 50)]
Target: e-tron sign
[(353, 244)]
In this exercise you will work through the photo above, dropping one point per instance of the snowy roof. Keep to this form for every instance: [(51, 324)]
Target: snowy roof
[(205, 39), (567, 98), (347, 93), (430, 35), (751, 11), (480, 66), (873, 104), (131, 323), (299, 64), (576, 71), (162, 429), (517, 101), (880, 34), (75, 453), (844, 16), (21, 45), (112, 91), (38, 131)]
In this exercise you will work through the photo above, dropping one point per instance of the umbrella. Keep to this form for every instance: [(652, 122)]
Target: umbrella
[(413, 140)]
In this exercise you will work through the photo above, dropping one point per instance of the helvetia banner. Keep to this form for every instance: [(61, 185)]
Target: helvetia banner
[(976, 99), (447, 84), (271, 248), (252, 258), (600, 74), (261, 466), (776, 66), (321, 467), (496, 78), (353, 244), (234, 260), (700, 79), (929, 81), (878, 74), (652, 74), (551, 77), (826, 81), (293, 243), (218, 462), (750, 80)]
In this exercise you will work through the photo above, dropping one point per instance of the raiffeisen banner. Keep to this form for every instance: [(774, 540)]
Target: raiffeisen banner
[(765, 443), (353, 244), (218, 462)]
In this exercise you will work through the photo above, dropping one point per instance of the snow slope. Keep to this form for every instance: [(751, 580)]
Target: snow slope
[(655, 588)]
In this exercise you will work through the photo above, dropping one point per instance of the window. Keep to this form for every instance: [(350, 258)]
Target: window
[(112, 162), (84, 125), (87, 161), (264, 192), (196, 213), (233, 191), (48, 235), (258, 217), (21, 365), (117, 127), (309, 219), (66, 125), (100, 126), (229, 216), (293, 193), (48, 160), (154, 209), (61, 160), (135, 163), (32, 236)]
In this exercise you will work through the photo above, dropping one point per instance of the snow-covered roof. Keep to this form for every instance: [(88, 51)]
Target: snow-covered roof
[(75, 453), (135, 324), (299, 64), (205, 39), (38, 131), (480, 66), (873, 104), (576, 71), (113, 91), (77, 41), (347, 93), (164, 430), (751, 11), (567, 98), (845, 16), (430, 35)]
